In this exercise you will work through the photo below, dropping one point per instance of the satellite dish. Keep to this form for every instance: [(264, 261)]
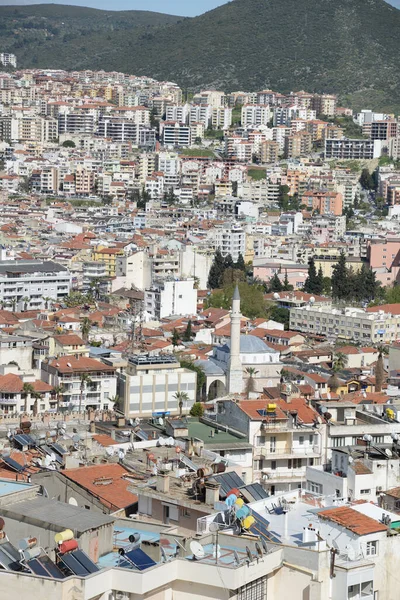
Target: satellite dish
[(47, 461), (121, 454), (69, 365), (236, 556), (249, 554), (161, 441), (163, 554), (395, 436), (110, 451), (312, 300), (351, 553), (170, 441), (367, 437), (137, 421), (53, 457), (351, 460), (213, 527), (388, 453), (197, 550), (264, 545), (328, 395), (160, 421), (324, 409), (335, 545), (61, 431), (276, 296), (259, 551)]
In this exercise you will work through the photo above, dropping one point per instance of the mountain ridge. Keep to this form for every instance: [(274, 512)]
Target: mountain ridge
[(344, 46)]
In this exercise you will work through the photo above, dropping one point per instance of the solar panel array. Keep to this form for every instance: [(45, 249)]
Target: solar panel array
[(44, 567), (136, 559), (228, 482), (142, 435), (260, 528), (13, 464), (24, 439), (253, 492), (78, 563), (9, 557)]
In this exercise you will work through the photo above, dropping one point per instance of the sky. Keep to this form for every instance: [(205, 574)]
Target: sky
[(187, 8)]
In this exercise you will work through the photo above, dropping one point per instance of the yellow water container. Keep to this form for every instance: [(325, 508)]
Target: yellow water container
[(239, 502), (390, 413), (271, 408), (248, 522), (64, 536)]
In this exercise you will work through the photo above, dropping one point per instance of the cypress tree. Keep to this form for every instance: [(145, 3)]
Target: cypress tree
[(275, 283), (240, 264), (340, 282), (216, 271), (312, 284)]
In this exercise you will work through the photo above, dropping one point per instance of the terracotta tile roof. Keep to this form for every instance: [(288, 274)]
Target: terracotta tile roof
[(360, 468), (12, 384), (251, 408), (104, 440), (113, 495), (352, 520), (81, 364), (394, 492), (393, 309), (69, 340)]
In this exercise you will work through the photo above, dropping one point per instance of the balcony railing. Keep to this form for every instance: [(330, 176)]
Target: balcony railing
[(269, 475), (288, 451)]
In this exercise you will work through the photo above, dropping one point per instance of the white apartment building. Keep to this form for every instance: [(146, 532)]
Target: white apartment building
[(24, 283), (353, 149), (178, 112), (221, 117), (175, 134), (171, 298), (256, 114), (150, 384), (347, 324), (7, 59), (200, 114), (96, 391), (133, 269), (230, 240)]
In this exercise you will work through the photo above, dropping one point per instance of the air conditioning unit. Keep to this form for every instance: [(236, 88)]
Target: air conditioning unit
[(379, 488)]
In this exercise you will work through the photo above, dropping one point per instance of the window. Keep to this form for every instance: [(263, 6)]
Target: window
[(339, 441), (256, 590), (185, 512), (365, 491), (273, 465), (261, 440), (353, 592), (371, 549), (378, 439), (301, 440), (367, 588), (294, 463), (314, 487)]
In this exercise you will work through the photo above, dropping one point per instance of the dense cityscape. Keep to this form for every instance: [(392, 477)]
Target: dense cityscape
[(200, 341)]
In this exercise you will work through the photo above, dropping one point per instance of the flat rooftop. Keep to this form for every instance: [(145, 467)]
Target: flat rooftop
[(11, 487), (214, 437)]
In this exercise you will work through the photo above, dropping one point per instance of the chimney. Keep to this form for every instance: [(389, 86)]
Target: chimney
[(112, 433), (212, 492), (163, 483)]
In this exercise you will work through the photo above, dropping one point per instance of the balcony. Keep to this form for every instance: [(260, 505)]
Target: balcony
[(270, 476), (288, 452)]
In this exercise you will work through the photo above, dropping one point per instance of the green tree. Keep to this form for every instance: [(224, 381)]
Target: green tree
[(201, 376), (275, 283), (280, 315), (250, 382), (27, 391), (339, 362), (287, 287), (340, 282), (85, 380), (230, 276), (26, 301), (313, 283), (58, 391), (216, 271), (181, 397), (366, 180), (283, 197), (240, 264), (68, 144), (175, 338), (252, 304), (197, 410), (86, 326), (380, 369), (188, 334)]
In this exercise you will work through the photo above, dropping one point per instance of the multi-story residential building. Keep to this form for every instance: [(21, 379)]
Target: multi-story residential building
[(173, 297), (7, 59), (221, 117), (269, 152), (326, 203), (93, 272), (24, 284), (175, 134), (352, 149), (348, 324), (150, 385), (200, 114), (86, 382), (108, 257), (324, 104), (178, 113), (76, 122), (257, 114), (133, 269), (84, 182), (49, 180), (14, 398), (384, 130), (230, 240), (298, 144)]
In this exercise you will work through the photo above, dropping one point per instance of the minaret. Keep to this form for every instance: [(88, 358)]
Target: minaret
[(235, 370)]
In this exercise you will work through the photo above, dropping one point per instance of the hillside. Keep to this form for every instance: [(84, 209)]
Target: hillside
[(344, 46), (72, 37)]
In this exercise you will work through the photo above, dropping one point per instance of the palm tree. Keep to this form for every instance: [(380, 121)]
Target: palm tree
[(28, 390), (379, 369), (46, 300), (118, 403), (250, 383), (339, 362), (86, 326), (181, 397), (58, 390), (37, 396), (85, 380), (26, 301)]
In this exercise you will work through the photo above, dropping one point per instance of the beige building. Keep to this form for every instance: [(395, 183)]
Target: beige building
[(348, 324)]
